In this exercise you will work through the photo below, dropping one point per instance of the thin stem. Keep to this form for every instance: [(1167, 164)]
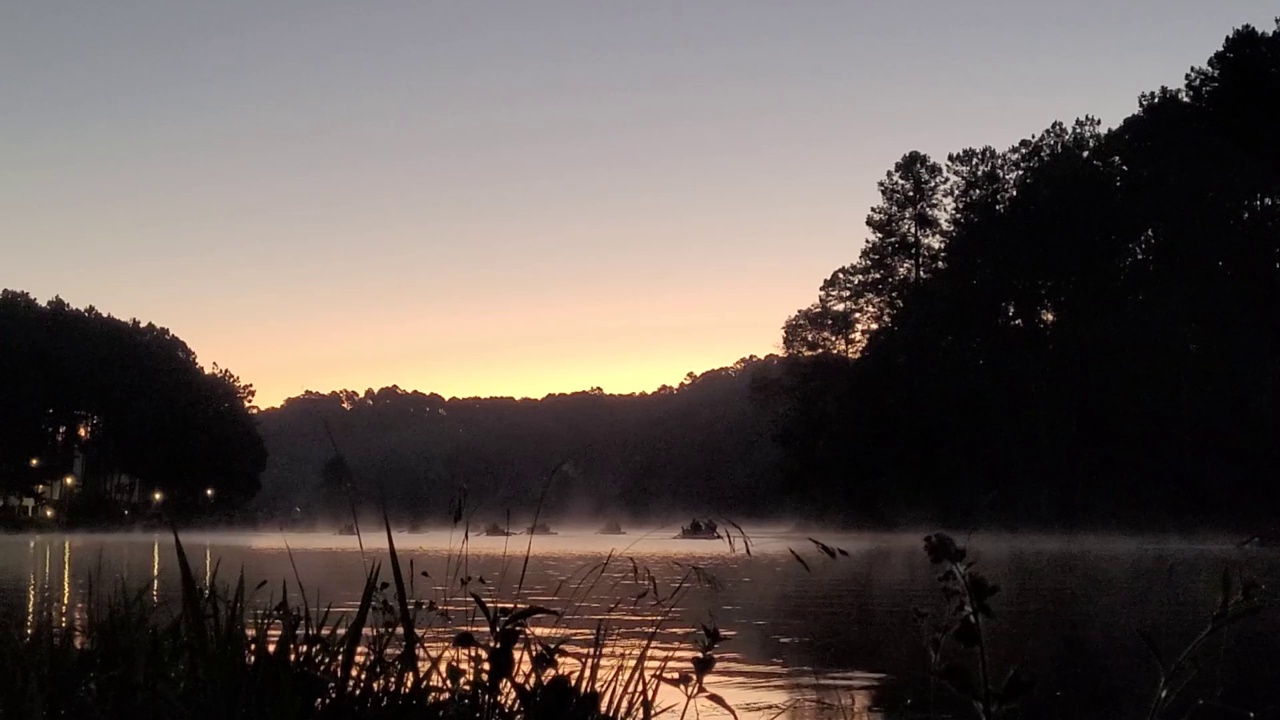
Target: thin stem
[(963, 574), (687, 700), (537, 513)]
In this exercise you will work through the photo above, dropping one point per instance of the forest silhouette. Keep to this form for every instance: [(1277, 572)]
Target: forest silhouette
[(1080, 330), (131, 400), (1081, 327)]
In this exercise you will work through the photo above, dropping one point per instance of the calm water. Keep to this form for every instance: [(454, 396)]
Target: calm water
[(836, 641)]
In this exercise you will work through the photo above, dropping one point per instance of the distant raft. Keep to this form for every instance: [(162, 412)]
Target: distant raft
[(611, 528), (494, 530), (699, 530)]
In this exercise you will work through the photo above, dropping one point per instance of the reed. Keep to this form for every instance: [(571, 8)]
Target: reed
[(475, 652), (224, 651)]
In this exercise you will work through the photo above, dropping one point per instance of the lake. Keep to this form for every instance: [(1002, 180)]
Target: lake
[(836, 639)]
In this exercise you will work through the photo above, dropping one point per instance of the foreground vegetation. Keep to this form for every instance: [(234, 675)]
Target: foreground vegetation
[(219, 656), (480, 653)]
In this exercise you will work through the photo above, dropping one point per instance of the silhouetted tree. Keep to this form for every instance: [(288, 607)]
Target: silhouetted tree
[(819, 328), (1100, 344), (907, 228), (904, 248)]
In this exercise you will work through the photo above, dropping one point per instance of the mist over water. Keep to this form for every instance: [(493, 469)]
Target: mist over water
[(805, 640)]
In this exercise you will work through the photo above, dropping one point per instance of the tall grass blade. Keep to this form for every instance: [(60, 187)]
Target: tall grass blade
[(356, 629), (348, 482), (537, 513), (402, 599), (302, 589), (190, 595)]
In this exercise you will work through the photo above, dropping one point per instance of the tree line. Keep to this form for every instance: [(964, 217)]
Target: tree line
[(704, 444), (1080, 328)]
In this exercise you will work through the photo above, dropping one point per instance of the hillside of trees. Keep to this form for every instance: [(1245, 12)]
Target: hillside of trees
[(131, 401), (703, 445), (1080, 329)]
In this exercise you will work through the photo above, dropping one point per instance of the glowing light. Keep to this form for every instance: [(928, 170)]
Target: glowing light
[(69, 480), (208, 492), (34, 462), (157, 496), (48, 512)]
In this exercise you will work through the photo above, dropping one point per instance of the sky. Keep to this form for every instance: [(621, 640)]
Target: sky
[(512, 198)]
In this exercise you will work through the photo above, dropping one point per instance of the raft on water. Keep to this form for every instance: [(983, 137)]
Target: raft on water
[(699, 530)]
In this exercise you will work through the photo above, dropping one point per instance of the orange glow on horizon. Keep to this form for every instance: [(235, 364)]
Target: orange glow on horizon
[(536, 378), (567, 337)]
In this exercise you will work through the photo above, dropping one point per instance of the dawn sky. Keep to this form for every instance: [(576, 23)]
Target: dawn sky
[(516, 198)]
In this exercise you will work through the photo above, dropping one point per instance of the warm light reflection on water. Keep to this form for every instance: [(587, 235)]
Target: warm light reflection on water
[(41, 604), (48, 553), (155, 571), (31, 589), (835, 642), (66, 582)]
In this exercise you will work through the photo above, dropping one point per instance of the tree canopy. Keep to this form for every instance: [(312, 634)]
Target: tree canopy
[(1091, 326), (130, 396), (702, 445)]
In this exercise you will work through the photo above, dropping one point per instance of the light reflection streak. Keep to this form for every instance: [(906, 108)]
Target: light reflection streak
[(66, 579), (155, 571), (208, 568), (31, 590), (44, 595)]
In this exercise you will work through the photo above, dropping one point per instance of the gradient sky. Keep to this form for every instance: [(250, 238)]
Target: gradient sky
[(517, 198)]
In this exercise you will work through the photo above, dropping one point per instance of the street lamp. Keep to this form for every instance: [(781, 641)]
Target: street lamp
[(34, 462), (48, 512), (208, 492), (157, 496), (68, 479)]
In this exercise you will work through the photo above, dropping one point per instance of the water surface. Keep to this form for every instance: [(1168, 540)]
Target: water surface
[(835, 640)]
